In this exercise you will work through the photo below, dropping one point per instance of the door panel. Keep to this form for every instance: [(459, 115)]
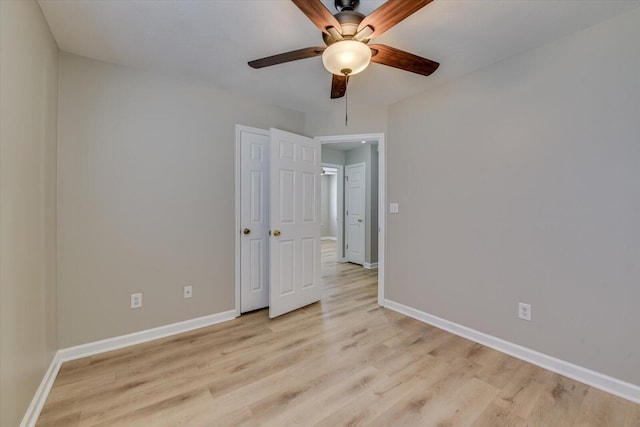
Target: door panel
[(256, 283), (308, 197), (355, 213), (295, 222), (254, 217), (286, 268), (308, 264)]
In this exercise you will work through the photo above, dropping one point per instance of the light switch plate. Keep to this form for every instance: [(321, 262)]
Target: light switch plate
[(394, 208)]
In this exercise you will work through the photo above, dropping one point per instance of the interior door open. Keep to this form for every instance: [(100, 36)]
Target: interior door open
[(295, 222)]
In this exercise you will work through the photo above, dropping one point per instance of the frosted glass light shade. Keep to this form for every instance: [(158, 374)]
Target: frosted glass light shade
[(346, 57)]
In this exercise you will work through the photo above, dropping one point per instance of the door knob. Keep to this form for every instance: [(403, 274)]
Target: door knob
[(359, 220), (246, 231), (276, 233)]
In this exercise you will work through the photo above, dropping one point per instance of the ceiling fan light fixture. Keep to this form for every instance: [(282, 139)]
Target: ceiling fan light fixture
[(346, 57)]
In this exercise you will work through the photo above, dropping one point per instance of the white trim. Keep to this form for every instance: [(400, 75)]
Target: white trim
[(330, 238), (239, 130), (382, 196), (592, 378), (370, 265), (109, 344), (40, 397), (382, 217)]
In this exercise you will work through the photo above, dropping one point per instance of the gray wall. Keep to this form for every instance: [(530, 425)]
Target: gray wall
[(146, 197), (521, 182), (367, 120), (335, 157), (28, 115)]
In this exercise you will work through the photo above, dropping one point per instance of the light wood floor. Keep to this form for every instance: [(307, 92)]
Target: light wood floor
[(343, 361)]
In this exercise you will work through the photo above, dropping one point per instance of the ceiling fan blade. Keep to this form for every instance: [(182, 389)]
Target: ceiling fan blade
[(281, 58), (387, 55), (391, 13), (318, 14), (338, 86)]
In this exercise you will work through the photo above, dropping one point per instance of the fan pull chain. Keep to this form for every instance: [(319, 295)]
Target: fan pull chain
[(346, 101), (346, 109)]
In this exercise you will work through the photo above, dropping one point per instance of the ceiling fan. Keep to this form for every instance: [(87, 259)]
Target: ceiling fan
[(347, 35)]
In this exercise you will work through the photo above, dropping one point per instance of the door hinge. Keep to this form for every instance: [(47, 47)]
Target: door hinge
[(346, 178), (347, 213), (347, 247)]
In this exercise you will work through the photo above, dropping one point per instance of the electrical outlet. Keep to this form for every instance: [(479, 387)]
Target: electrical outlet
[(524, 311), (188, 291), (136, 300)]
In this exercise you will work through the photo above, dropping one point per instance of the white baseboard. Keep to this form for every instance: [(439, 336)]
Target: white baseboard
[(329, 238), (37, 403), (592, 378), (370, 265), (96, 347)]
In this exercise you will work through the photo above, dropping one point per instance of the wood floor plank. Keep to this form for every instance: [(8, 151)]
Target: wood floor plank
[(334, 398), (368, 406), (342, 361), (601, 409), (495, 416), (559, 403), (633, 415), (520, 394)]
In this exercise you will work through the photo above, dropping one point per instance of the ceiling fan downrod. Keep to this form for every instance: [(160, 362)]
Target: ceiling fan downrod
[(342, 5)]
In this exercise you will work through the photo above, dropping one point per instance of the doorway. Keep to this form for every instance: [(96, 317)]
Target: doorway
[(332, 206), (376, 241)]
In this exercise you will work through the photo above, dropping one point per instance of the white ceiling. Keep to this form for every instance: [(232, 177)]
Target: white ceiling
[(212, 40)]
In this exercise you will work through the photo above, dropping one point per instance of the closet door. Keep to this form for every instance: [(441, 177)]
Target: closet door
[(254, 219)]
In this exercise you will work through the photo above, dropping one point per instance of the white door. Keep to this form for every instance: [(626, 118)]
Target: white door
[(295, 222), (355, 186), (254, 219)]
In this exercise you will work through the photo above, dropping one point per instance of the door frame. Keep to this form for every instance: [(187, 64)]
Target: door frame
[(382, 196), (238, 225), (340, 208)]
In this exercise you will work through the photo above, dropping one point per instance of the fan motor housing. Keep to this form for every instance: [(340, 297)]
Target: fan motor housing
[(349, 21)]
